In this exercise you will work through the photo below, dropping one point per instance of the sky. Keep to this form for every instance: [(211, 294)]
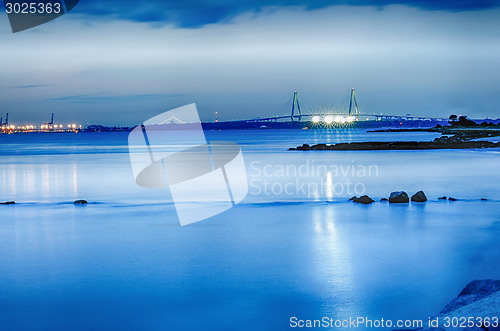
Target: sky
[(122, 62)]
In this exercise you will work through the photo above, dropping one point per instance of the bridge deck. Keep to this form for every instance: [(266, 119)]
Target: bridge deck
[(375, 116)]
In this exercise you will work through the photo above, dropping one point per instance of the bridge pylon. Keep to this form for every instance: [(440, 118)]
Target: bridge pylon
[(353, 98), (296, 101)]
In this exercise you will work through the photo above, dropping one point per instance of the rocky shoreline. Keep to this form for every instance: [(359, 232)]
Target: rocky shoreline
[(479, 299), (459, 140), (76, 203), (399, 197)]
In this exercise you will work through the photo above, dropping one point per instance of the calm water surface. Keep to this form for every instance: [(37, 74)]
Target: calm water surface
[(124, 262)]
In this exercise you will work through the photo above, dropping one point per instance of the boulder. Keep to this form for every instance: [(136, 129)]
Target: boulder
[(419, 197), (384, 200), (474, 291), (354, 198), (443, 198), (80, 202), (484, 199), (366, 200), (8, 203), (399, 197), (480, 298), (452, 199)]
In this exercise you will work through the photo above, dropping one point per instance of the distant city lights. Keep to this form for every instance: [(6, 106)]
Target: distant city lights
[(47, 127)]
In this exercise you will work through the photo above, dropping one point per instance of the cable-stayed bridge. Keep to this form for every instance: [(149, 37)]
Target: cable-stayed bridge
[(352, 114)]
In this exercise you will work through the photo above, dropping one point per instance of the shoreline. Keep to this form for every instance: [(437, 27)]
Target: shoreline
[(460, 140), (478, 304), (442, 130)]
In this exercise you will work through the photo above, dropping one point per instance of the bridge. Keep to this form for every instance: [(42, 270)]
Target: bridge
[(350, 116)]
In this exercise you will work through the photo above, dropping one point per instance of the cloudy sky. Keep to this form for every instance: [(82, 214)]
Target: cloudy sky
[(121, 62)]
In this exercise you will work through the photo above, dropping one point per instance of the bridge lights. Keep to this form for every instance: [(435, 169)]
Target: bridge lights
[(328, 119), (331, 119)]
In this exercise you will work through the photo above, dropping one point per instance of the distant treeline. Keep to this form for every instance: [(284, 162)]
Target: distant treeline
[(102, 128), (463, 121)]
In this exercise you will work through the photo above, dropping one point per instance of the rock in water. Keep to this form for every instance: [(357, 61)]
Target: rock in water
[(452, 199), (419, 197), (480, 298), (399, 197), (443, 198), (366, 200), (80, 202), (354, 198), (474, 291), (8, 203), (384, 200)]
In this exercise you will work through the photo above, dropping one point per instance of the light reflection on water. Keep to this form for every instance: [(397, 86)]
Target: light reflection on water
[(38, 180), (333, 264), (125, 262)]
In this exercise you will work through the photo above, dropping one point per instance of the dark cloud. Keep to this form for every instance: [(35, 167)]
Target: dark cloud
[(196, 13), (30, 86), (101, 97)]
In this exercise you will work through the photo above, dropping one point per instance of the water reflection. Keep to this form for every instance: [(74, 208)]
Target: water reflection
[(9, 179), (333, 263), (45, 180), (329, 186), (74, 179), (31, 180)]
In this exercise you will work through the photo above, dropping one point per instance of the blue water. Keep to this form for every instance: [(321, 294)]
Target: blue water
[(123, 261)]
